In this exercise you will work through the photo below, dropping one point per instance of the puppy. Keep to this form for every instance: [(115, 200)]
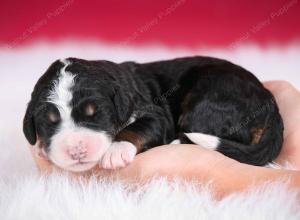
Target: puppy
[(83, 113)]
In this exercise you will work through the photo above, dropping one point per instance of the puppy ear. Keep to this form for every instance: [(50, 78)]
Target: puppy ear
[(123, 105), (28, 125)]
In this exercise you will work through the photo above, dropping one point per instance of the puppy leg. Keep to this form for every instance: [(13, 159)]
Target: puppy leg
[(143, 134), (118, 155)]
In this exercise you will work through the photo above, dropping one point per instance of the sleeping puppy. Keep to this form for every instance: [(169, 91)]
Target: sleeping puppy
[(83, 113)]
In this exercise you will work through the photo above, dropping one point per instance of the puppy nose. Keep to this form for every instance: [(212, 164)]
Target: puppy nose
[(78, 152)]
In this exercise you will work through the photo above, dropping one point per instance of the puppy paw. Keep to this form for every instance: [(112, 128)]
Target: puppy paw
[(118, 155)]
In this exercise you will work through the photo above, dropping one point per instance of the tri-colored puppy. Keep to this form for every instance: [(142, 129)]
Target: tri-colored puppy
[(83, 113)]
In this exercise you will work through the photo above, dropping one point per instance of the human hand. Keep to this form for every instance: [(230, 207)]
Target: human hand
[(288, 99)]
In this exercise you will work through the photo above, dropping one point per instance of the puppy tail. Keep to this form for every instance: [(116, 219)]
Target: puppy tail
[(259, 154)]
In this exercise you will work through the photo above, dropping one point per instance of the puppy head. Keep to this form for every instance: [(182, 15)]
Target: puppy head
[(74, 112)]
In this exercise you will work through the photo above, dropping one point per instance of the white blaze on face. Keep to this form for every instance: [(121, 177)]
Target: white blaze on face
[(72, 147)]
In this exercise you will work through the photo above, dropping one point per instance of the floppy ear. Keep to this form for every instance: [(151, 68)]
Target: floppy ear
[(123, 104), (28, 125)]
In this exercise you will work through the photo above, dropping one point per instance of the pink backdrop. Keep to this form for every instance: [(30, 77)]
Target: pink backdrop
[(172, 22)]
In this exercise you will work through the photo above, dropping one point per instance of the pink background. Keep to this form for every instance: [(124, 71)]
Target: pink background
[(187, 23)]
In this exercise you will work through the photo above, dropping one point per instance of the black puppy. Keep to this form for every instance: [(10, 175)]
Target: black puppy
[(83, 112)]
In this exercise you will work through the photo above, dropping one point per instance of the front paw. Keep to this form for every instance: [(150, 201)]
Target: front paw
[(118, 155)]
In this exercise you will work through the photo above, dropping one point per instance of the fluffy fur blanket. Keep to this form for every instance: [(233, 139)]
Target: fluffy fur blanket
[(26, 195), (57, 197)]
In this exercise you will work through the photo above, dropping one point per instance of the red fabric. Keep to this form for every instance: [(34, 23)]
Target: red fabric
[(185, 23)]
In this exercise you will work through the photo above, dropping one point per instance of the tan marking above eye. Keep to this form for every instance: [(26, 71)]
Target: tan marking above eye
[(90, 109), (53, 117)]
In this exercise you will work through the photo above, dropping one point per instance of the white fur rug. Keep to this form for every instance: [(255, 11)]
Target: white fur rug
[(25, 195), (59, 198)]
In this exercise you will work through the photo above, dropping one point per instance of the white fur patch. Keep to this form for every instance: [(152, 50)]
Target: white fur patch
[(205, 140), (132, 119), (61, 95), (119, 154), (96, 143), (176, 141)]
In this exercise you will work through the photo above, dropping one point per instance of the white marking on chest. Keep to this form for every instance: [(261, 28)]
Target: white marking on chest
[(132, 119), (61, 95)]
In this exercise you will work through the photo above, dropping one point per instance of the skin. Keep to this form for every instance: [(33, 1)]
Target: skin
[(194, 162)]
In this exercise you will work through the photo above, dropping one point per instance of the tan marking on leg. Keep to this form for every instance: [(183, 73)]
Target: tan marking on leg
[(132, 137)]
